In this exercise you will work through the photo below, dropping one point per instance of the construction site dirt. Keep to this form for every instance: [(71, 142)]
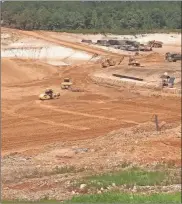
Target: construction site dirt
[(107, 119)]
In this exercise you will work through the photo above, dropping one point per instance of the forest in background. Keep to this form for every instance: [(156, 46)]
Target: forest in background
[(92, 17)]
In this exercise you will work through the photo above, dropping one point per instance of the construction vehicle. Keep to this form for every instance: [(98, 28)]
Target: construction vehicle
[(66, 84), (133, 62), (102, 42), (49, 94), (167, 81), (172, 57), (156, 44), (132, 48), (108, 62), (87, 41), (143, 47)]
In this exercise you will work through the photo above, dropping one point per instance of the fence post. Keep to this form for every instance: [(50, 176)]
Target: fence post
[(157, 122)]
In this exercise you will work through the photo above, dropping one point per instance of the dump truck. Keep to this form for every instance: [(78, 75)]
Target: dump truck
[(66, 84), (172, 57), (49, 94)]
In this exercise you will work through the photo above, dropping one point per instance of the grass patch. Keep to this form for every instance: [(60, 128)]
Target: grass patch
[(131, 177), (113, 197)]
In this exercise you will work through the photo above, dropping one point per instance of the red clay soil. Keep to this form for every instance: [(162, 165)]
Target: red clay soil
[(24, 70), (28, 123)]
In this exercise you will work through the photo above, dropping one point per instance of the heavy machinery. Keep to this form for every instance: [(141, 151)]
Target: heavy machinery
[(87, 41), (132, 48), (143, 47), (173, 57), (108, 62), (66, 84), (102, 42), (156, 44), (133, 62), (49, 94), (167, 81)]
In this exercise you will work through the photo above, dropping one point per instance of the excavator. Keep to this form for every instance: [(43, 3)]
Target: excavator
[(108, 62)]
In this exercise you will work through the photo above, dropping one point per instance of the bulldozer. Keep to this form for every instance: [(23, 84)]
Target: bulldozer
[(49, 94), (133, 62), (66, 84)]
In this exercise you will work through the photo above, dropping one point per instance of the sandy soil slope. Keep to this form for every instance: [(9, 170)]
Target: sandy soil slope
[(21, 70)]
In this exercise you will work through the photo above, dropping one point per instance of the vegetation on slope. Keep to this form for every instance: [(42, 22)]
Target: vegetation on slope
[(115, 17), (111, 197)]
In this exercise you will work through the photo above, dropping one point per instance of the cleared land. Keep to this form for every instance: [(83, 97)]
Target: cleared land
[(111, 121)]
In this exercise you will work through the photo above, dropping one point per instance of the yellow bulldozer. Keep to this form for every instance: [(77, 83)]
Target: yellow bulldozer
[(49, 94), (66, 84)]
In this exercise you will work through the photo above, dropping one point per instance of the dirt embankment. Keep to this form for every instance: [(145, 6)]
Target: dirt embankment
[(74, 45), (21, 70)]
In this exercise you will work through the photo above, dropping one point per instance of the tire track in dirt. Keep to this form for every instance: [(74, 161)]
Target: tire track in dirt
[(49, 122), (87, 115), (76, 113)]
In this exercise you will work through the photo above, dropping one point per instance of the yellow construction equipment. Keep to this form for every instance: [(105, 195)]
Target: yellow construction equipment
[(133, 62), (49, 94), (66, 84), (108, 62)]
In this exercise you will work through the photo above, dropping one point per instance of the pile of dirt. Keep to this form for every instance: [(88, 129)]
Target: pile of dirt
[(21, 70), (153, 57)]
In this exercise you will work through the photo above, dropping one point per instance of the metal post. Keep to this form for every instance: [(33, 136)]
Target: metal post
[(157, 122)]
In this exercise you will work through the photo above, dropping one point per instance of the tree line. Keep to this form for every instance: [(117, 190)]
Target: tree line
[(91, 16)]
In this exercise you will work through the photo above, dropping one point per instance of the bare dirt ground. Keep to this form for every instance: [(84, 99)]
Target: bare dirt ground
[(110, 121)]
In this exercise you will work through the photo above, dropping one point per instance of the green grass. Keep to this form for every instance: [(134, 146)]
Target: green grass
[(113, 197), (130, 177)]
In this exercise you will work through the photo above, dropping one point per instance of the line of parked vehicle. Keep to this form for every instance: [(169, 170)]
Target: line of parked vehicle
[(127, 45)]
